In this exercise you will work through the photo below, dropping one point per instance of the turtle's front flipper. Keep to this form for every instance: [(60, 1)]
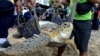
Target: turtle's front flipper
[(72, 44), (29, 45)]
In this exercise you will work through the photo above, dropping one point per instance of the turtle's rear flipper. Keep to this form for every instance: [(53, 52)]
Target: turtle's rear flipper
[(29, 45), (72, 44), (17, 35)]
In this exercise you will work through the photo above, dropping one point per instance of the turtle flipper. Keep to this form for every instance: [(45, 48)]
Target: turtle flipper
[(72, 44), (29, 45)]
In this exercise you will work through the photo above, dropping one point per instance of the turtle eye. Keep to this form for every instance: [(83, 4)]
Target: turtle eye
[(65, 24)]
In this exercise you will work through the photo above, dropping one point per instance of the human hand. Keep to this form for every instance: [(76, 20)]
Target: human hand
[(30, 3), (64, 2), (18, 5), (95, 1)]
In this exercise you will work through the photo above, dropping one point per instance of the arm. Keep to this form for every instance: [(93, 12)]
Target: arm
[(18, 4), (95, 1), (65, 2)]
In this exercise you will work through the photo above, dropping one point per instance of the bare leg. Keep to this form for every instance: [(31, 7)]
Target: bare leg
[(83, 53), (72, 44), (61, 50)]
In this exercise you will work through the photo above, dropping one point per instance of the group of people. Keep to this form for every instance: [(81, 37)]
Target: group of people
[(82, 19)]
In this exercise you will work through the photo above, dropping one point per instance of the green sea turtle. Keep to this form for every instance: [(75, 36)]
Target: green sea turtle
[(57, 37)]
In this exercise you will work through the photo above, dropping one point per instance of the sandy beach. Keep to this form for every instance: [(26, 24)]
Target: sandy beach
[(94, 48)]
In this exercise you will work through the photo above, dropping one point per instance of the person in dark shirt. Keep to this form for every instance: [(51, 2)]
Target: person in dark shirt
[(6, 21), (95, 21)]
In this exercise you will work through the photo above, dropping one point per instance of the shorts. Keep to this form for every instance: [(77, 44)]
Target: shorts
[(82, 32)]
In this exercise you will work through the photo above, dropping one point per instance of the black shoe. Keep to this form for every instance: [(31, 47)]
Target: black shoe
[(5, 44)]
